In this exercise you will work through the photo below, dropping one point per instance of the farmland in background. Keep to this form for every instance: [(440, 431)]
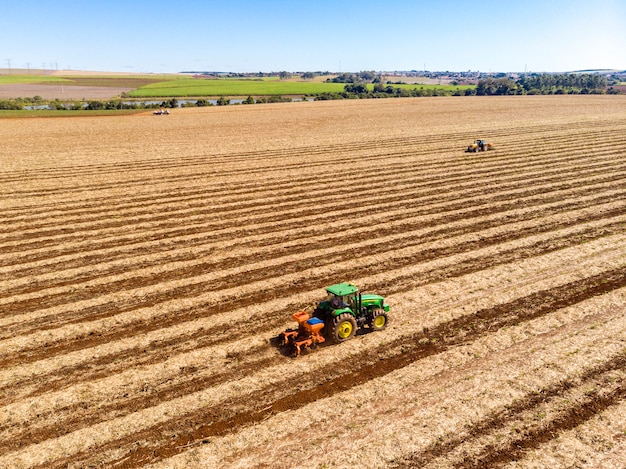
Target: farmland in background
[(100, 81), (71, 84), (74, 86), (188, 87), (20, 78), (146, 262), (256, 87)]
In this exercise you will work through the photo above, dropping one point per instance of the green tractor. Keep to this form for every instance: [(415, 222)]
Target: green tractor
[(346, 309)]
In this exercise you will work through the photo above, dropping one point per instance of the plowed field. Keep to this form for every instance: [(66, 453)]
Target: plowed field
[(146, 262)]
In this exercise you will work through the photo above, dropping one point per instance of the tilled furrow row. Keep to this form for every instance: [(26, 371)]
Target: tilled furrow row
[(214, 334), (141, 290), (116, 399), (201, 160), (598, 397), (418, 234), (497, 421), (346, 147), (342, 158), (238, 412), (400, 283), (320, 159), (80, 415), (51, 248), (204, 201), (393, 224), (297, 179), (194, 270), (68, 228), (154, 195), (364, 161), (201, 242)]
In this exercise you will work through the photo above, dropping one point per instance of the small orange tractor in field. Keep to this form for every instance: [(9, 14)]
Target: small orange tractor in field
[(479, 145), (340, 315)]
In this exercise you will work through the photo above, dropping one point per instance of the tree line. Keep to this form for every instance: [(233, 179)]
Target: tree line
[(18, 104), (366, 76), (545, 83), (380, 90)]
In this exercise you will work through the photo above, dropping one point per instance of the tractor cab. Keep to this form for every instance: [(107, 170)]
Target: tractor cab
[(342, 296)]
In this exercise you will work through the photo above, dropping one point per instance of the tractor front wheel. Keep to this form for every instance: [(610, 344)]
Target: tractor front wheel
[(379, 320), (343, 327)]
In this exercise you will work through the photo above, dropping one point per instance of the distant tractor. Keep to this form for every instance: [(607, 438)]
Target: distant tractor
[(343, 311), (479, 145)]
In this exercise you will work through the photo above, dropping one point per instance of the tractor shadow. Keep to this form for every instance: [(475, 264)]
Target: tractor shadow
[(282, 349), (287, 351)]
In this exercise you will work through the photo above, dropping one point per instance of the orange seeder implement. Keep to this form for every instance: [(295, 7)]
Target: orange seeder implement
[(306, 335)]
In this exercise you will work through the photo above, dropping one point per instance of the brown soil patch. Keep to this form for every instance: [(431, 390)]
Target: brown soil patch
[(147, 262)]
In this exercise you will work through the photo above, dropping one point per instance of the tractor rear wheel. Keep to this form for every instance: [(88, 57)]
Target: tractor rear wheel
[(343, 327), (379, 320)]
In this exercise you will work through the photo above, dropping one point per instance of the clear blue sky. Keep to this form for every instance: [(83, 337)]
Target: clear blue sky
[(325, 35)]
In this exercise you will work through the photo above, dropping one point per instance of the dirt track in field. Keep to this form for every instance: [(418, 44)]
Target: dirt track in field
[(142, 282)]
